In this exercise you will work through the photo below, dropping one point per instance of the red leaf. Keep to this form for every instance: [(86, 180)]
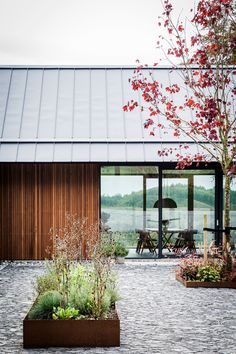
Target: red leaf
[(190, 102), (153, 113)]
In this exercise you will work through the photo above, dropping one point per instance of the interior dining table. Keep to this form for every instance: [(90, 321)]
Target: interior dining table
[(168, 233)]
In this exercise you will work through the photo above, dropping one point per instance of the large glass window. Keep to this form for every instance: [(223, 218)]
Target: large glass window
[(193, 191), (233, 212), (128, 194), (130, 202)]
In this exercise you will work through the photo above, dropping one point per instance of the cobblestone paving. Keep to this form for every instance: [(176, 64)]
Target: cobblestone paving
[(158, 315)]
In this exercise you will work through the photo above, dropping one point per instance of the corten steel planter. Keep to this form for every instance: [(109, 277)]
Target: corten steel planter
[(201, 284), (71, 333)]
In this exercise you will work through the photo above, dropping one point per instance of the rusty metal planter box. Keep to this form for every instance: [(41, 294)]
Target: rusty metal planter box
[(200, 284), (71, 333)]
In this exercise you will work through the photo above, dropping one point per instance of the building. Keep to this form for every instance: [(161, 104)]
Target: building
[(67, 146)]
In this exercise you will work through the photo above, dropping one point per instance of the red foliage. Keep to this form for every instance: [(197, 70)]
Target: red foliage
[(210, 108)]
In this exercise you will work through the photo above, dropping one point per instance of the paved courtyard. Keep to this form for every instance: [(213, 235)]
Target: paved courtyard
[(158, 315)]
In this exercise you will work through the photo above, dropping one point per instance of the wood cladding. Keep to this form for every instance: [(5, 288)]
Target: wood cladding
[(36, 197)]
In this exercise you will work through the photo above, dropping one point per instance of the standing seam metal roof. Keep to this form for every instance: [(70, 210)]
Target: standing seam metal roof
[(75, 114)]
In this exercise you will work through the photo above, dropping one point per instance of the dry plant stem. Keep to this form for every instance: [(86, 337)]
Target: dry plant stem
[(99, 289), (75, 242), (102, 267), (71, 243)]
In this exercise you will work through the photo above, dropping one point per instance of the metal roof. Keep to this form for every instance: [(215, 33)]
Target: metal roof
[(75, 114)]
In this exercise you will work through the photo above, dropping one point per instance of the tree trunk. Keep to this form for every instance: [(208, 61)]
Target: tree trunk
[(226, 240), (227, 201)]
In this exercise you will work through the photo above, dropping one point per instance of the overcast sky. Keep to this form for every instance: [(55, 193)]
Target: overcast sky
[(80, 32)]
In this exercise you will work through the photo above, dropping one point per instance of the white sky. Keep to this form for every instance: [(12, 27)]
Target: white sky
[(80, 32)]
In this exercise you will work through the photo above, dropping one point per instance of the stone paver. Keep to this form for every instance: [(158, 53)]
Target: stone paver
[(158, 315)]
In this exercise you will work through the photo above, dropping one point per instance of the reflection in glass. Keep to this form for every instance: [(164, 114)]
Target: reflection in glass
[(194, 193), (127, 197), (130, 202), (233, 213)]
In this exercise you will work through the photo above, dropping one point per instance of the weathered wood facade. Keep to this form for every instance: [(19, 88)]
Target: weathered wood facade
[(36, 197)]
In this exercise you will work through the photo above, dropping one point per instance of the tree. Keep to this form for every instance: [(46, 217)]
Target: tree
[(206, 69)]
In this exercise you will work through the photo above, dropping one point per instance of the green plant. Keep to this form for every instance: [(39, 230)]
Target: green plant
[(188, 268), (105, 305), (208, 273), (43, 308), (81, 290), (112, 290), (70, 289), (69, 245), (120, 250), (61, 313), (93, 291), (100, 276), (82, 300), (196, 269), (47, 282), (108, 249)]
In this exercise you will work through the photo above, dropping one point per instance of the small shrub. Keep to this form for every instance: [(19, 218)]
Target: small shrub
[(70, 289), (189, 268), (93, 291), (196, 269), (82, 300), (111, 289), (43, 308), (80, 294), (113, 295), (60, 313), (108, 249), (208, 273), (120, 250), (70, 244), (219, 266), (105, 305), (46, 283)]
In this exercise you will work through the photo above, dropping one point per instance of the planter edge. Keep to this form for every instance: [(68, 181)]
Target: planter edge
[(199, 284), (71, 333)]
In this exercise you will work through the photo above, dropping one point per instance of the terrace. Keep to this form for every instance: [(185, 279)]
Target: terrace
[(158, 315)]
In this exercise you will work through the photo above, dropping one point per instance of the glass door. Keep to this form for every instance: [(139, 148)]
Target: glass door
[(127, 198), (187, 196)]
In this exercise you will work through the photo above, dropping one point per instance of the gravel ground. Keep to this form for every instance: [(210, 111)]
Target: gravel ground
[(158, 315)]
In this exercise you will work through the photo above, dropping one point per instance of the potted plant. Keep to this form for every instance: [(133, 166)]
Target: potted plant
[(120, 252), (195, 272), (76, 300)]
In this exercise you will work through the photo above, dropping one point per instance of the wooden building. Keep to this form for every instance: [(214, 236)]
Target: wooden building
[(63, 133)]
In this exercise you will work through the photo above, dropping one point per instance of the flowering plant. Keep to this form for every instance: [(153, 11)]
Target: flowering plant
[(202, 107), (196, 269)]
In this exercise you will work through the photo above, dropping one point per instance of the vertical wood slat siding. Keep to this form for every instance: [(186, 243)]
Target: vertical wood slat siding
[(36, 197)]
